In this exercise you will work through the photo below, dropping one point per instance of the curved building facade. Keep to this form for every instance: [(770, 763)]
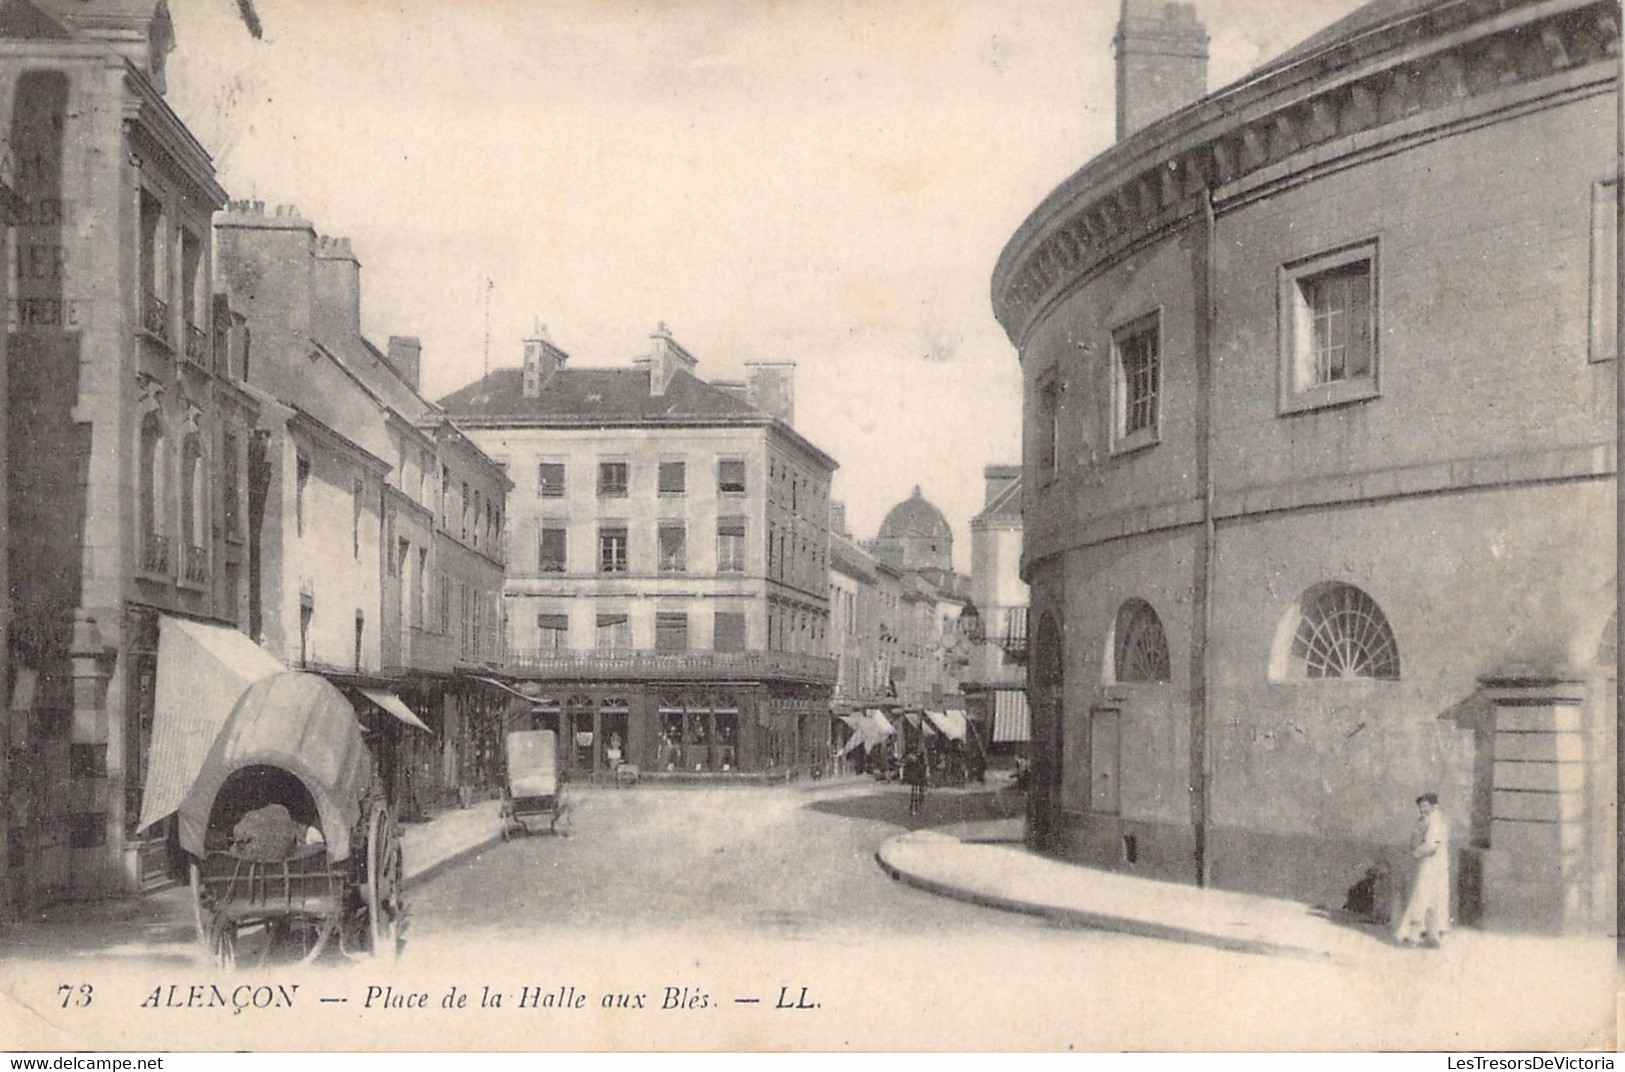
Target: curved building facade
[(1319, 442)]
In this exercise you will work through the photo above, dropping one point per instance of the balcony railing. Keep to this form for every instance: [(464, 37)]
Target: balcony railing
[(197, 345), (1014, 640), (680, 665), (155, 316), (197, 565), (155, 553)]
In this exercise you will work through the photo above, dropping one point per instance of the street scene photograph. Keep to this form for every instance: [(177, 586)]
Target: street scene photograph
[(800, 526)]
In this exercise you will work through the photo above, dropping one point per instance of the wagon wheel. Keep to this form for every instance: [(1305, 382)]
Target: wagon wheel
[(384, 884), (216, 933)]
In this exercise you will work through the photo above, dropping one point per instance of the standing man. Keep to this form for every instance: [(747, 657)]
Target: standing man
[(1427, 909), (916, 772)]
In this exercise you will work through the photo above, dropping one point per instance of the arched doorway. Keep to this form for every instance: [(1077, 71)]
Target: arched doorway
[(1045, 680)]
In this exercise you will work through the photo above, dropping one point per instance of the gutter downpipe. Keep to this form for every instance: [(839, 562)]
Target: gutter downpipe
[(1201, 757), (1619, 415)]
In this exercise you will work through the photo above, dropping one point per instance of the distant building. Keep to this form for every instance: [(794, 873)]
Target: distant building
[(125, 438), (995, 681), (668, 590), (1320, 451)]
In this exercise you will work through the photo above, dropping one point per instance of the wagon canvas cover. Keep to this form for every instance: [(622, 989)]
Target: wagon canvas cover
[(301, 724)]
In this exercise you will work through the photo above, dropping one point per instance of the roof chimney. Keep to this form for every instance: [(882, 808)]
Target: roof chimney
[(1161, 49), (999, 478), (771, 388), (542, 360), (837, 518), (406, 357), (338, 290), (666, 356)]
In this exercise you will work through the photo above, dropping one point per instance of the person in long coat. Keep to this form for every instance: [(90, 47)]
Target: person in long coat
[(1427, 910)]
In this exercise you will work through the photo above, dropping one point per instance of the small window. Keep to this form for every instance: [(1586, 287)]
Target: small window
[(612, 479), (550, 480), (301, 482), (1337, 630), (553, 632), (1604, 270), (731, 476), (729, 632), (671, 631), (360, 490), (731, 545), (1137, 383), (673, 478), (1047, 429), (552, 556), (1329, 330), (614, 632), (612, 549), (673, 547)]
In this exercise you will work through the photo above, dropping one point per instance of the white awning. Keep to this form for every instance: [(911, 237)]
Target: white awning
[(203, 670), (395, 706), (882, 723), (950, 723), (1011, 720)]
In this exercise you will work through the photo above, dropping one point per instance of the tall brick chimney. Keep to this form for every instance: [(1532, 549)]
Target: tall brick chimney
[(338, 290), (771, 388), (542, 359), (266, 265), (1161, 49), (837, 517), (406, 357), (666, 356)]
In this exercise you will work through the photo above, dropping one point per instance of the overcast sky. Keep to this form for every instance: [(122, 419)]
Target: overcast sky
[(819, 181)]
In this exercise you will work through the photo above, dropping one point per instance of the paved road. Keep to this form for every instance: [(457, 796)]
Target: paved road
[(781, 861)]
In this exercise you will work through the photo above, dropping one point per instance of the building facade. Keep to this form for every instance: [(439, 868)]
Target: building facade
[(667, 596), (995, 681), (1319, 468), (380, 525), (126, 435)]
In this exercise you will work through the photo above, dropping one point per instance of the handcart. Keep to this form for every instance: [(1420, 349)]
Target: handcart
[(288, 830), (532, 792)]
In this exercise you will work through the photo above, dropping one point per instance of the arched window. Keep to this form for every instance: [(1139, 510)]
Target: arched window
[(1140, 647), (1341, 632)]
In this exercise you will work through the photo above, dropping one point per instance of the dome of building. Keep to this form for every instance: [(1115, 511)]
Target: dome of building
[(915, 517), (916, 536)]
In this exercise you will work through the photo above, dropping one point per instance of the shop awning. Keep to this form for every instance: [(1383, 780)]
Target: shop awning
[(881, 723), (203, 670), (395, 706), (503, 685), (1011, 720), (950, 723)]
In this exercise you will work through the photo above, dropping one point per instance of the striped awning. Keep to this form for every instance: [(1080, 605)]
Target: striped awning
[(1011, 722), (202, 672)]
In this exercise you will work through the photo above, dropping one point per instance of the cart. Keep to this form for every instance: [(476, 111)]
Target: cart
[(532, 791), (288, 831)]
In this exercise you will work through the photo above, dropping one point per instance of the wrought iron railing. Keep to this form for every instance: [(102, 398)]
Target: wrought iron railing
[(724, 665), (197, 345), (155, 316), (197, 565), (155, 553)]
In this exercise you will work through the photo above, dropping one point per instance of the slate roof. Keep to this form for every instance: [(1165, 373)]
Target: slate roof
[(1367, 17), (586, 394), (915, 516), (1006, 506)]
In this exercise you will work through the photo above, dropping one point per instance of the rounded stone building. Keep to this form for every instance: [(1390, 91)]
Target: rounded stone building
[(1319, 442)]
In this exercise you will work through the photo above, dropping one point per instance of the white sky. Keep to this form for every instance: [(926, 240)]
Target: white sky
[(823, 181)]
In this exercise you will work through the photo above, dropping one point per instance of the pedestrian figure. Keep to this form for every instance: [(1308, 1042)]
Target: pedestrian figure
[(1427, 909), (917, 775)]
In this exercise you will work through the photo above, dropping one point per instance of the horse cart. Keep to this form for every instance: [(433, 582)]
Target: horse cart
[(531, 792), (288, 832)]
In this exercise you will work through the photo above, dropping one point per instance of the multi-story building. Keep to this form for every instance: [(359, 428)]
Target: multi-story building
[(667, 592), (380, 525), (995, 679), (126, 434), (1320, 456), (925, 599)]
